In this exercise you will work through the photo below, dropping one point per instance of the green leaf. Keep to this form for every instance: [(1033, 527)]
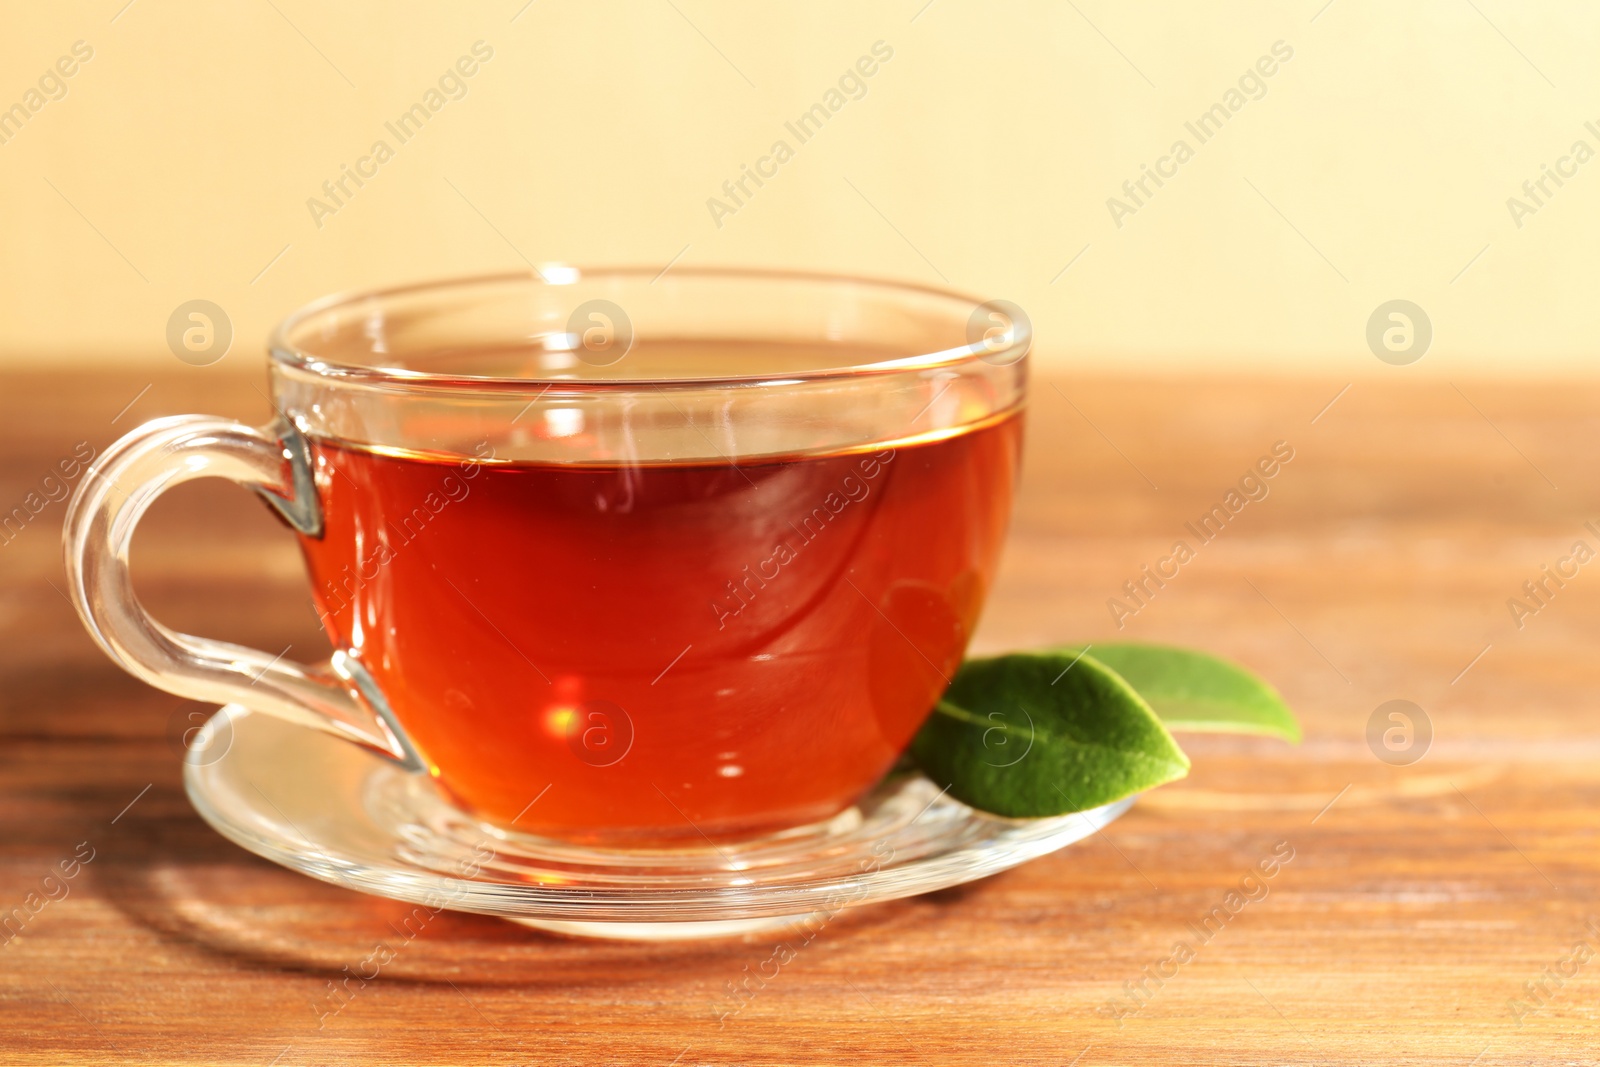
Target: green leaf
[(1030, 735), (1194, 691)]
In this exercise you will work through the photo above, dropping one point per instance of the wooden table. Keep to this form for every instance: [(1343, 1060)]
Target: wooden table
[(1419, 900)]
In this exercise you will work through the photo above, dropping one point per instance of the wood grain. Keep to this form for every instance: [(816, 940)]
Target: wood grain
[(1418, 902)]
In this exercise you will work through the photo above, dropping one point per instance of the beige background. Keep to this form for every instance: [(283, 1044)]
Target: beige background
[(1377, 165)]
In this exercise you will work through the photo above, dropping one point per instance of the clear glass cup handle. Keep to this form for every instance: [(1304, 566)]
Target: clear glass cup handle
[(339, 697)]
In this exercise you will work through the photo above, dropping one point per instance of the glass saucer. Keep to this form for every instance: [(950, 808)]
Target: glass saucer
[(325, 807)]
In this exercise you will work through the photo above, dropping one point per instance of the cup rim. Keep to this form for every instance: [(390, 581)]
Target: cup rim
[(283, 353)]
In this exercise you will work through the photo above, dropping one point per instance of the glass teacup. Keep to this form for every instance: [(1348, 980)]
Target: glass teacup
[(615, 558)]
